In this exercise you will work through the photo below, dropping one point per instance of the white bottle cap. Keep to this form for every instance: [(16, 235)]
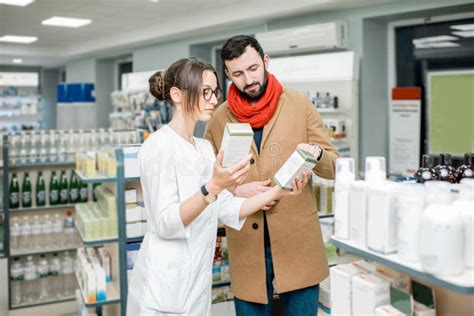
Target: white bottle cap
[(375, 170), (345, 170)]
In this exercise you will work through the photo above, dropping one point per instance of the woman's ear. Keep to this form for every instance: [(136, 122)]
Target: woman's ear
[(176, 95)]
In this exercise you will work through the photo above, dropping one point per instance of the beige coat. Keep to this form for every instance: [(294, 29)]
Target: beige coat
[(299, 257)]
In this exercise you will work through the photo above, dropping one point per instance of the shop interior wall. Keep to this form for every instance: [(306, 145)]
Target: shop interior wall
[(104, 85), (49, 79)]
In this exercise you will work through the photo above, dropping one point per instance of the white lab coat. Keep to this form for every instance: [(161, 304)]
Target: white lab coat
[(173, 270)]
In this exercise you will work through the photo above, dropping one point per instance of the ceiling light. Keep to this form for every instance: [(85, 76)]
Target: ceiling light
[(66, 22), (17, 60), (465, 33), (18, 39), (463, 27), (154, 1), (436, 45), (432, 39), (20, 3)]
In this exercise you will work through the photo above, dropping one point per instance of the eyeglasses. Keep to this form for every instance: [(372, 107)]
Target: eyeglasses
[(207, 93)]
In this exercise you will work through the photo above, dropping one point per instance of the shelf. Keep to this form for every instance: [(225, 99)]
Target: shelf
[(51, 301), (221, 284), (97, 179), (43, 251), (132, 179), (463, 283), (42, 208), (96, 242), (332, 111), (113, 295), (135, 239), (41, 165), (325, 215)]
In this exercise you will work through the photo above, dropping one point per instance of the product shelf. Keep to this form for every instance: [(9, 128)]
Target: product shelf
[(321, 215), (97, 179), (220, 284), (38, 165), (46, 302), (96, 242), (113, 295), (135, 239), (332, 111), (463, 283), (43, 251), (42, 208)]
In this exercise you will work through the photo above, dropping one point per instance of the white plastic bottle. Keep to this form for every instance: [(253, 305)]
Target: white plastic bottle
[(345, 175), (57, 229), (411, 205), (43, 281), (43, 149), (25, 234), (15, 232), (53, 147), (62, 147), (47, 232), (55, 282), (30, 283), (69, 235), (16, 282), (25, 148), (36, 233), (67, 272), (465, 205), (441, 233)]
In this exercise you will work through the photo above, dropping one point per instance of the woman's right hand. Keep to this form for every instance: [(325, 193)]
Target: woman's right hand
[(224, 178)]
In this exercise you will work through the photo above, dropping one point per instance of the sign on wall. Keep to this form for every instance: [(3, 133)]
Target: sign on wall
[(19, 79)]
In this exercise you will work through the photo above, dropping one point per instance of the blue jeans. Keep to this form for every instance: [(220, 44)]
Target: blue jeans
[(302, 302)]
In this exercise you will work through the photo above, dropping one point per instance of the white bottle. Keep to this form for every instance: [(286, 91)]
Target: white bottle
[(43, 281), (67, 272), (34, 150), (62, 147), (25, 148), (37, 241), (441, 233), (30, 288), (47, 232), (344, 176), (53, 146), (411, 205), (15, 232), (69, 235), (57, 231), (43, 148), (16, 282), (465, 205), (25, 234), (55, 283)]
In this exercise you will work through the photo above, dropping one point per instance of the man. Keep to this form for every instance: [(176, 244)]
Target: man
[(279, 248)]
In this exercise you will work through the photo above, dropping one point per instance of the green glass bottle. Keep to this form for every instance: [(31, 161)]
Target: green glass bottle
[(63, 189), (74, 189), (40, 190), (83, 192), (14, 192), (94, 191), (26, 191), (53, 189)]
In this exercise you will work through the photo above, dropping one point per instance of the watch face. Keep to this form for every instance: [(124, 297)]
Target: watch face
[(210, 198)]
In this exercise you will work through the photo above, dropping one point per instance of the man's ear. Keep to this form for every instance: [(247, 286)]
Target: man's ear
[(266, 60), (176, 95), (227, 73)]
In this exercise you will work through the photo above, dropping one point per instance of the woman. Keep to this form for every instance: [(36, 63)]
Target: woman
[(184, 190)]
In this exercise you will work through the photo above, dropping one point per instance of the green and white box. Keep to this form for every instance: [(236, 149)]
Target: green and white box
[(236, 142), (300, 161)]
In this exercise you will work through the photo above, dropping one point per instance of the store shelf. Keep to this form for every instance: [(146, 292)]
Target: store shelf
[(221, 284), (42, 208), (97, 179), (51, 301), (113, 295), (96, 242), (41, 165), (333, 111), (43, 251), (135, 239), (132, 179), (325, 215), (463, 283)]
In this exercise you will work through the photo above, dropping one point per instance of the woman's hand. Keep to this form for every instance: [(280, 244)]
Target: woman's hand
[(224, 178)]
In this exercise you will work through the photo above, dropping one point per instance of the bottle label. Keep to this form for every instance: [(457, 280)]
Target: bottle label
[(426, 175), (26, 197), (443, 172), (54, 196), (467, 173), (83, 194), (14, 198), (74, 194), (63, 196), (41, 197)]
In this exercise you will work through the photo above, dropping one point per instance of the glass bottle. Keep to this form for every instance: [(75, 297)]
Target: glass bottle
[(16, 282), (466, 170), (40, 190), (425, 172), (53, 147), (83, 192), (26, 191), (62, 147), (35, 148), (53, 189), (444, 170), (25, 148), (44, 147), (63, 189), (74, 190), (14, 192)]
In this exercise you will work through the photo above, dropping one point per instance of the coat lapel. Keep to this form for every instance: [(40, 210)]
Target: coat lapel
[(269, 126)]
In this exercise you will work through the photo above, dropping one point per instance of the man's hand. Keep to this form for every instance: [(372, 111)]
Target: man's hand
[(253, 188), (313, 149)]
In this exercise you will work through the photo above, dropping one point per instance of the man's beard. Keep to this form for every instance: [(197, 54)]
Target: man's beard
[(254, 97)]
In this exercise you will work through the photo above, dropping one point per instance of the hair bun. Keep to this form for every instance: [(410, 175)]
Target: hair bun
[(157, 85)]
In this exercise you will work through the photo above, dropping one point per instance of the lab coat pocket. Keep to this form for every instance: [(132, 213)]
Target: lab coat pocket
[(167, 289)]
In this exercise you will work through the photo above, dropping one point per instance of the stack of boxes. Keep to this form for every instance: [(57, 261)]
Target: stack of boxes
[(93, 273), (135, 214)]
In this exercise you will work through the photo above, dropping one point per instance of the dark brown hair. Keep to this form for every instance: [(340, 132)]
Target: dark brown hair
[(184, 74), (235, 46)]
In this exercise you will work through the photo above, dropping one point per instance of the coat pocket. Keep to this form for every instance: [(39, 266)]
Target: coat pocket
[(167, 290)]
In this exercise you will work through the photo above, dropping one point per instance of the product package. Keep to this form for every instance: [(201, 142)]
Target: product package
[(368, 293), (298, 163), (341, 288), (236, 143)]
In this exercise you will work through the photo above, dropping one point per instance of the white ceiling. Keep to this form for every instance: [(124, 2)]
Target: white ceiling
[(120, 24)]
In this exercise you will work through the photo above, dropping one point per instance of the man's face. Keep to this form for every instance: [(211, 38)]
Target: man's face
[(248, 73)]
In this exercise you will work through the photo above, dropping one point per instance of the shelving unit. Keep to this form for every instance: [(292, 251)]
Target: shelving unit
[(463, 283), (42, 208), (46, 302), (113, 295)]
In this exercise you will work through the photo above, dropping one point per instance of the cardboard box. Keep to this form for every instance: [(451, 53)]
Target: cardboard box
[(133, 213), (236, 143), (299, 162), (134, 229), (368, 293), (130, 196), (387, 310), (341, 288)]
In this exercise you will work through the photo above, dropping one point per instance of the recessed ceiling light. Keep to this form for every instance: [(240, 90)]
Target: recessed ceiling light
[(154, 1), (432, 39), (18, 39), (436, 45), (17, 60), (463, 27), (66, 22), (20, 3), (464, 33)]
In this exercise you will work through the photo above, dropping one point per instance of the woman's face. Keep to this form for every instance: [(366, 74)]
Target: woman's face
[(206, 107)]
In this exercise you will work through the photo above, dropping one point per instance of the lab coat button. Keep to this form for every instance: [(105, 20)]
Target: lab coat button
[(255, 226)]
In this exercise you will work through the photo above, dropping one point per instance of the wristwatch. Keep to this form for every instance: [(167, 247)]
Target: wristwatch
[(208, 197), (320, 151)]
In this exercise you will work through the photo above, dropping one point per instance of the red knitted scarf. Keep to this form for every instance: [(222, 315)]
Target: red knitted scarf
[(258, 114)]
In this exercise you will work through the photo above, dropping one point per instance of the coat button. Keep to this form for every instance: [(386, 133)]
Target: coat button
[(255, 226)]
